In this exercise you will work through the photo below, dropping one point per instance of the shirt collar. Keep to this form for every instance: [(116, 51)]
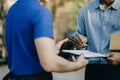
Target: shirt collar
[(115, 5), (96, 5)]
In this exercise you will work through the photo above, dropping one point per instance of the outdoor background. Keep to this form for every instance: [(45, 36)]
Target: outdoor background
[(64, 15)]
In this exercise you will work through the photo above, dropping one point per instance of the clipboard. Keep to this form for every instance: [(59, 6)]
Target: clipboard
[(86, 53)]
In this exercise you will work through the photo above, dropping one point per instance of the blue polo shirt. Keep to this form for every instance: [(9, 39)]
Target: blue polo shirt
[(26, 20)]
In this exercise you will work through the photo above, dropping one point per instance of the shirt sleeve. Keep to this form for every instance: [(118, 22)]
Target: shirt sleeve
[(80, 28), (42, 24)]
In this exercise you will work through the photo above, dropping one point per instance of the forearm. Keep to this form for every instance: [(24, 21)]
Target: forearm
[(59, 64), (55, 63), (51, 62)]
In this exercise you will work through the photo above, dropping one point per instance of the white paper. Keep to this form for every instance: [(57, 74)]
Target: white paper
[(86, 53)]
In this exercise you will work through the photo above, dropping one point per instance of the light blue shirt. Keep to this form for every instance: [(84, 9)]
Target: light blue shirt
[(97, 25)]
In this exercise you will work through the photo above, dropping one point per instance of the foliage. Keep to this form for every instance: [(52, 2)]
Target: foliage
[(65, 15)]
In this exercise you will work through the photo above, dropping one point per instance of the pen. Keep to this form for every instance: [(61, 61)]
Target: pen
[(72, 38)]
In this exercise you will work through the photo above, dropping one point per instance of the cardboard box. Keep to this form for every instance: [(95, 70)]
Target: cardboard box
[(115, 41)]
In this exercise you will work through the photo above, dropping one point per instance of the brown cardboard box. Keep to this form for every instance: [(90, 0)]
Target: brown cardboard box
[(115, 41)]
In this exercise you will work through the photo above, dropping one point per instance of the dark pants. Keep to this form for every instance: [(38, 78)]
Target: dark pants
[(40, 76), (102, 72)]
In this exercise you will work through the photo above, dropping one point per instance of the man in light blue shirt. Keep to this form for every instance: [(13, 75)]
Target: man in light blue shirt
[(96, 21)]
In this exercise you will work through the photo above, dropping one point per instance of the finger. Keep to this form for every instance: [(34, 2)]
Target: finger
[(64, 40), (84, 44), (109, 58), (78, 40), (80, 43), (115, 63), (107, 54), (80, 37), (112, 61), (112, 54), (82, 60), (81, 56), (74, 58), (84, 39), (61, 42)]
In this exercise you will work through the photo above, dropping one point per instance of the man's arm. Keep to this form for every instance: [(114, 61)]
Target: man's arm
[(7, 4), (51, 62), (80, 33)]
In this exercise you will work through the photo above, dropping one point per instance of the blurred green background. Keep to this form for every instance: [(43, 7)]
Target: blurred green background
[(65, 15)]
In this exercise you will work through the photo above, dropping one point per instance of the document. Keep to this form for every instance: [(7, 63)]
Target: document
[(86, 53)]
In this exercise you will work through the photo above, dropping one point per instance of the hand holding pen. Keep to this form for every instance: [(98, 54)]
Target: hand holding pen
[(81, 41)]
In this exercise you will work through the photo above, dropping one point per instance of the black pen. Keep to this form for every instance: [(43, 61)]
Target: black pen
[(72, 39)]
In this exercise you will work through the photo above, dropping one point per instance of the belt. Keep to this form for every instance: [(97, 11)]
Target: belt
[(41, 75)]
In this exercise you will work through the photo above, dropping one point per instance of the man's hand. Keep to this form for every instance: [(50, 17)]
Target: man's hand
[(60, 43), (81, 41), (114, 58), (82, 61)]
